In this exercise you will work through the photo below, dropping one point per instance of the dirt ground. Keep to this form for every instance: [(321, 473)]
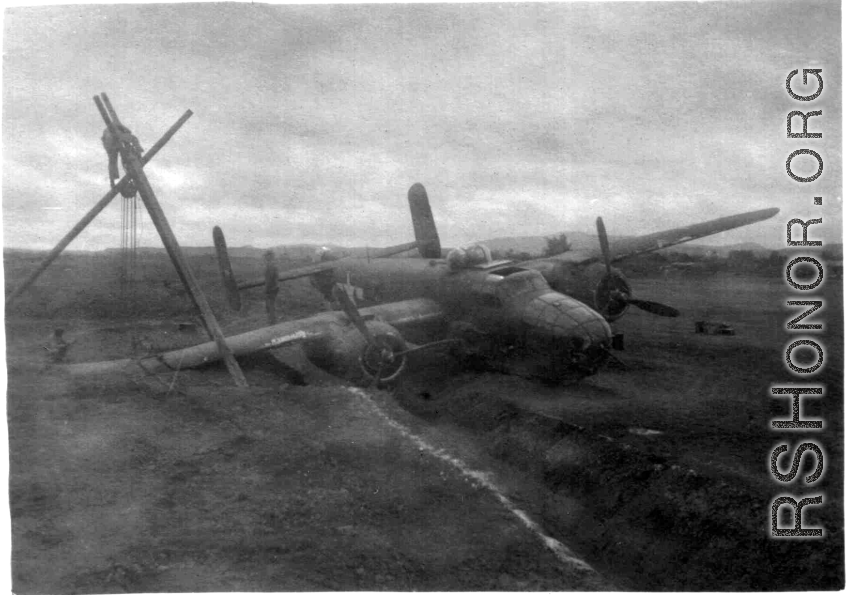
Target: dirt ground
[(118, 486), (655, 474)]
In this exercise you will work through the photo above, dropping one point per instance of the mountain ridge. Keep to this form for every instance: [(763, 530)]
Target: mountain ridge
[(533, 245)]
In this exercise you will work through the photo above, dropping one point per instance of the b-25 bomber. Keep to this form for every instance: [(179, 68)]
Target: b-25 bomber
[(459, 303), (514, 317)]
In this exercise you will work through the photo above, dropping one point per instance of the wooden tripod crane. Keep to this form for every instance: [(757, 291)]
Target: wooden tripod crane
[(134, 164)]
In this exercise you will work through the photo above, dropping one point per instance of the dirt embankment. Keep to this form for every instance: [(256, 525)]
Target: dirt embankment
[(652, 522)]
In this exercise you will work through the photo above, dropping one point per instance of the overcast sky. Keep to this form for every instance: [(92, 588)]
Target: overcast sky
[(311, 122)]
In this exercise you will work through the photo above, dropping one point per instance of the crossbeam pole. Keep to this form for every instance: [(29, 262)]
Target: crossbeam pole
[(135, 168), (95, 210)]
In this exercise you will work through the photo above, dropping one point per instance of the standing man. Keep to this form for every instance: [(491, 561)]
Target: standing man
[(271, 286)]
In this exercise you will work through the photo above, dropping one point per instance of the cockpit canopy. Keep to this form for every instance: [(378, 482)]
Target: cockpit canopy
[(470, 256), (520, 282)]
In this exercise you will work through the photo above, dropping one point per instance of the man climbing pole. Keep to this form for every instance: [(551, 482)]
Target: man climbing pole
[(271, 286), (112, 143)]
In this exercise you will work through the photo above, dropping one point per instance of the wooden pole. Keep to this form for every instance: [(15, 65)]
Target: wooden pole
[(134, 167), (89, 217)]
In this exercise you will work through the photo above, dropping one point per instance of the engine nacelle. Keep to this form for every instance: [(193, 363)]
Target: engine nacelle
[(610, 291), (346, 353), (591, 285)]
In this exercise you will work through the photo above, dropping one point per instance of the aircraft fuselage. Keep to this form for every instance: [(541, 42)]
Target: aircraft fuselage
[(503, 310)]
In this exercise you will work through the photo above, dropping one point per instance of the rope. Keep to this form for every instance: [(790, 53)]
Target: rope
[(129, 247), (176, 373), (121, 143), (153, 375)]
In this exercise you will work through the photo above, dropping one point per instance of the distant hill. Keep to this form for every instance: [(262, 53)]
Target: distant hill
[(292, 251), (718, 251), (537, 244), (585, 241), (534, 245)]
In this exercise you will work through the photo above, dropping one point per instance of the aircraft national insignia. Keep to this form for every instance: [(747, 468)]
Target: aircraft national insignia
[(288, 338)]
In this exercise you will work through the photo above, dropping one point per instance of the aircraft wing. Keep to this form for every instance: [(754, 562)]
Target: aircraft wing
[(656, 241), (314, 328), (313, 269), (290, 274), (629, 247)]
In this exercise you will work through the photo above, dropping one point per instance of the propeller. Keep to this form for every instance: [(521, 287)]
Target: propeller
[(384, 352), (616, 290)]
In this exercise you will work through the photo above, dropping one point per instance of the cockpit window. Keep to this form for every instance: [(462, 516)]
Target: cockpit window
[(520, 282), (473, 255), (478, 254)]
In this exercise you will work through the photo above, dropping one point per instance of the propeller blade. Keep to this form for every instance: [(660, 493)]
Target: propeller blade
[(604, 245), (654, 308), (271, 286), (648, 306), (426, 346), (375, 382), (227, 276), (352, 313)]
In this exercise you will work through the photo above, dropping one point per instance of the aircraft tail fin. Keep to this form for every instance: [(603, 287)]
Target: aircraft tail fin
[(425, 232), (233, 297)]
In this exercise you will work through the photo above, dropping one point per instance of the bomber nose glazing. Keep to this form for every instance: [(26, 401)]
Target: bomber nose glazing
[(582, 337)]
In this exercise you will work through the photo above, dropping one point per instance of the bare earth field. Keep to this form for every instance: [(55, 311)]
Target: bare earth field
[(652, 476)]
